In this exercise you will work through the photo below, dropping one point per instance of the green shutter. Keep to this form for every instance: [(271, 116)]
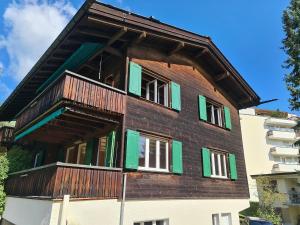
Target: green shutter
[(206, 162), (89, 152), (232, 166), (176, 96), (132, 149), (135, 79), (202, 107), (227, 118), (110, 149), (177, 157)]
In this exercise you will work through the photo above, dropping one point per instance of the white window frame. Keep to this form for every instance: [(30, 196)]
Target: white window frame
[(157, 155), (166, 222), (219, 112), (220, 156), (218, 218), (36, 158), (156, 90)]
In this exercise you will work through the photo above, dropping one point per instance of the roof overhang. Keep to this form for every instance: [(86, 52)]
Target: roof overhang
[(98, 22)]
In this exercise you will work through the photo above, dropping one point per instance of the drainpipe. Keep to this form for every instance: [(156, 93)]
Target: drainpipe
[(123, 199), (64, 210)]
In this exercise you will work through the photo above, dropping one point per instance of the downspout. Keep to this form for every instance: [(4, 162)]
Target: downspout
[(123, 199)]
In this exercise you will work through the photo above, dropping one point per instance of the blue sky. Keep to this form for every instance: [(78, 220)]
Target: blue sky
[(249, 33)]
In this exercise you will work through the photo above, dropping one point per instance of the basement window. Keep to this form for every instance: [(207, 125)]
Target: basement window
[(154, 89), (154, 222), (214, 114)]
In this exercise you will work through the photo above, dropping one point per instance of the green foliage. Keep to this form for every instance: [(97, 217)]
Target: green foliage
[(291, 46), (3, 176), (251, 211), (19, 159), (268, 197), (279, 114)]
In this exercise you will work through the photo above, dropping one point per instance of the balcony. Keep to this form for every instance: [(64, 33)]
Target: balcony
[(74, 90), (287, 135), (285, 151), (56, 180), (294, 199), (280, 122), (283, 167)]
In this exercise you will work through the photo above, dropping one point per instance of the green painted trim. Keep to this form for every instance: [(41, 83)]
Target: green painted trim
[(80, 56), (135, 79), (110, 149), (206, 162), (233, 169), (132, 149), (202, 107), (41, 123), (177, 166), (175, 96), (227, 118)]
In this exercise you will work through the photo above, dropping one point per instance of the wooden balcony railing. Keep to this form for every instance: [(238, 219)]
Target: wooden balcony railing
[(6, 134), (78, 90), (56, 180)]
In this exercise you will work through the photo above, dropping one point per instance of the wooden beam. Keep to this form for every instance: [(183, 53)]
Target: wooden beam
[(140, 38), (113, 39), (113, 51), (95, 33), (222, 76), (204, 50), (177, 48)]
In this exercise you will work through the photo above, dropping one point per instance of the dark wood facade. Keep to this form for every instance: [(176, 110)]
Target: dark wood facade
[(6, 135), (194, 134), (93, 108)]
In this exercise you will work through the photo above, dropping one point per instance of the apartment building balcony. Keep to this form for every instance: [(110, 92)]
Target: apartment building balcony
[(280, 122), (282, 134), (55, 180), (285, 151), (284, 167)]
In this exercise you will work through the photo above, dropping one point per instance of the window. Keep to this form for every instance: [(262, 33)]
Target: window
[(76, 154), (218, 164), (153, 153), (222, 219), (214, 114), (154, 222), (155, 90)]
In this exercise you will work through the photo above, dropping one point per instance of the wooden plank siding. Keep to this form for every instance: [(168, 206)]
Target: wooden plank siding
[(58, 180), (186, 127), (75, 91)]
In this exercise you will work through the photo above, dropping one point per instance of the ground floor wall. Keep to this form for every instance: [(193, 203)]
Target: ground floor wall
[(21, 211)]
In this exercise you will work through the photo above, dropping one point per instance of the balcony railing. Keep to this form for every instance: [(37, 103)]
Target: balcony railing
[(282, 135), (56, 180), (77, 90), (284, 167), (6, 134), (280, 122), (285, 151)]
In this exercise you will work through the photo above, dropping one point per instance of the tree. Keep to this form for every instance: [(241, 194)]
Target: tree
[(268, 198), (291, 46), (3, 176), (19, 159)]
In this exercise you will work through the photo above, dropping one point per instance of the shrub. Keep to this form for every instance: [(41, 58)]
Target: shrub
[(3, 176), (19, 159)]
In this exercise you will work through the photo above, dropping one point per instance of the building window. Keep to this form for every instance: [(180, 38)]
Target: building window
[(222, 219), (155, 90), (214, 114), (153, 153), (76, 154), (154, 222), (219, 164)]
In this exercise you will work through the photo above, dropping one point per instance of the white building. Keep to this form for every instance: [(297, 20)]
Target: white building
[(268, 140)]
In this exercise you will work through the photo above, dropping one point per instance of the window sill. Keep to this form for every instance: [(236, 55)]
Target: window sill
[(157, 104), (153, 170), (219, 177), (215, 125)]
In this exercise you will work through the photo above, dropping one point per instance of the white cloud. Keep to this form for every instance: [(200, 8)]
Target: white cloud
[(32, 25), (4, 91), (1, 68)]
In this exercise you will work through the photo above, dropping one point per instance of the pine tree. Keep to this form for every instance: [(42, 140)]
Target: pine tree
[(291, 46)]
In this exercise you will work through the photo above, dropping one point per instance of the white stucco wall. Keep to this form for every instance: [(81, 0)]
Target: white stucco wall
[(94, 212)]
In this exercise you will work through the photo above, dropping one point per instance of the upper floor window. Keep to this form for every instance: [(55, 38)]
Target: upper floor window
[(218, 164), (155, 90), (214, 114), (222, 219), (153, 153)]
